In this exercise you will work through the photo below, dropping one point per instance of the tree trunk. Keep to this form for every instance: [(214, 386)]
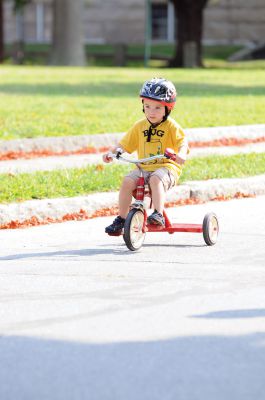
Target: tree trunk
[(1, 32), (68, 41), (189, 17)]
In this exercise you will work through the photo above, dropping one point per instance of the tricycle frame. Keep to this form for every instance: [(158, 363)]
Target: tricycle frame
[(136, 225)]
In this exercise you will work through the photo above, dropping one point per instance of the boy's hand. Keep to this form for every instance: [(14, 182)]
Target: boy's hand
[(107, 158), (169, 153)]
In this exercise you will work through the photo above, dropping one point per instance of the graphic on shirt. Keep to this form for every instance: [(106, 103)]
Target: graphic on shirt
[(154, 132), (153, 148)]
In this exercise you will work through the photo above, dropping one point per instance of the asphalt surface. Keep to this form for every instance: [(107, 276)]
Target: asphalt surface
[(82, 317)]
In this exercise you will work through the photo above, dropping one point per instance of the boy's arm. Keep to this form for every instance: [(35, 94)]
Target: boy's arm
[(183, 151)]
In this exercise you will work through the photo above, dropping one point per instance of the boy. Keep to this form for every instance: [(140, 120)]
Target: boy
[(150, 136)]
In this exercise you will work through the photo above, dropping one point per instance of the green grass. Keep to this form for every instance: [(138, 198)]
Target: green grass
[(76, 182), (39, 53), (103, 54), (39, 101), (58, 101)]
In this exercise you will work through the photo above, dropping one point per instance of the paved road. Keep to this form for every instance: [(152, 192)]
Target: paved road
[(82, 317)]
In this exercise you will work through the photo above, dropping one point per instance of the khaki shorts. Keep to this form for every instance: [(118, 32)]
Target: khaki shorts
[(163, 174)]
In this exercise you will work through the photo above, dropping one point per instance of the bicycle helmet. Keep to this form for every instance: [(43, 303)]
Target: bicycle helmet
[(160, 89)]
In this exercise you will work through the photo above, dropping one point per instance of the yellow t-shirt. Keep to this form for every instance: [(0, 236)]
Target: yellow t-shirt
[(167, 134)]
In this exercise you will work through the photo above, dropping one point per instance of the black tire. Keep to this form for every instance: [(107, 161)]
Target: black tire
[(210, 229), (133, 230)]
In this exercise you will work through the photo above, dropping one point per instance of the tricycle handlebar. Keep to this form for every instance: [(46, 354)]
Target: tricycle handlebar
[(169, 154)]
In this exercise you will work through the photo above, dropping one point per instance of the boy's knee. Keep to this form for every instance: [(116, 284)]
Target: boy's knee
[(155, 180), (128, 183)]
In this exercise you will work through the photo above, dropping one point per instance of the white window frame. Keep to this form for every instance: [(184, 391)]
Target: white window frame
[(170, 33), (40, 29)]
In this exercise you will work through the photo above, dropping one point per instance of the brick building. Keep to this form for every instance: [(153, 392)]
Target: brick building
[(116, 21)]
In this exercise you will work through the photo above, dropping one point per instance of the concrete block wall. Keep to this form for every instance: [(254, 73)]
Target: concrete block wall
[(235, 21), (116, 21), (123, 21)]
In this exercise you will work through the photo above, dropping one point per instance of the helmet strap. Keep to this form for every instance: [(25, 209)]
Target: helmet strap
[(149, 134), (167, 112)]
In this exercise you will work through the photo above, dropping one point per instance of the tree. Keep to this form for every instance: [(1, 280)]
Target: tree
[(19, 44), (17, 5), (189, 17), (1, 32), (68, 42)]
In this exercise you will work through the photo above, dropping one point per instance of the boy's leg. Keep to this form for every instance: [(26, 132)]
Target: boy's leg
[(160, 181), (158, 193), (125, 198), (125, 195)]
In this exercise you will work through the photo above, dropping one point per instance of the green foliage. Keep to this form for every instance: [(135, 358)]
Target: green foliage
[(51, 101), (19, 4)]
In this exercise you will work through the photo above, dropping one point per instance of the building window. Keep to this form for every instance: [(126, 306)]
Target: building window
[(163, 21), (159, 21)]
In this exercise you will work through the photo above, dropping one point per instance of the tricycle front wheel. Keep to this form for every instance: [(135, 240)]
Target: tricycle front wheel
[(133, 230)]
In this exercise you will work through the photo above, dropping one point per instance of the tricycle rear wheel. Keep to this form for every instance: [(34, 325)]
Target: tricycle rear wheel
[(210, 229)]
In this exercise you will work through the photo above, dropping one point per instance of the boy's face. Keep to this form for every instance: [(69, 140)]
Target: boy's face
[(154, 111)]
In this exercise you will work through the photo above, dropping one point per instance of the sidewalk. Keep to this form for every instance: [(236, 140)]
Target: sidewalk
[(34, 212)]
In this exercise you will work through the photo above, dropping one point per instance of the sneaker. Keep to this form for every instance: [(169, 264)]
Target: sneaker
[(156, 219), (116, 227)]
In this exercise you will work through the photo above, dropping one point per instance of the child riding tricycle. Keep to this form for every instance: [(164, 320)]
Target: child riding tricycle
[(162, 149)]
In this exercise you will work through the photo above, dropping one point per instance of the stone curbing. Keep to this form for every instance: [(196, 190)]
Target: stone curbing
[(227, 132), (57, 209), (215, 188), (76, 143)]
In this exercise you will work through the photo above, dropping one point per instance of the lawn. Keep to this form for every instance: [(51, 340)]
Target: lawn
[(38, 101)]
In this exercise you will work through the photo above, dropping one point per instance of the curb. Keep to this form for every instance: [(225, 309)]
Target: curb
[(84, 207), (77, 143), (215, 188)]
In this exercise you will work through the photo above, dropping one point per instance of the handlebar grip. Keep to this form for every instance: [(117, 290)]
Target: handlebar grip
[(118, 152)]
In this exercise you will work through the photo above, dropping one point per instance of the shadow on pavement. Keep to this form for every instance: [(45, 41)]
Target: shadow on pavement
[(115, 249), (66, 253), (231, 314), (186, 368)]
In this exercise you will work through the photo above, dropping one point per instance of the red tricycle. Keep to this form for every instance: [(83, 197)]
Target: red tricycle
[(136, 224)]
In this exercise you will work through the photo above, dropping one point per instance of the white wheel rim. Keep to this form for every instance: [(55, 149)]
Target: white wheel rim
[(136, 229), (213, 229)]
